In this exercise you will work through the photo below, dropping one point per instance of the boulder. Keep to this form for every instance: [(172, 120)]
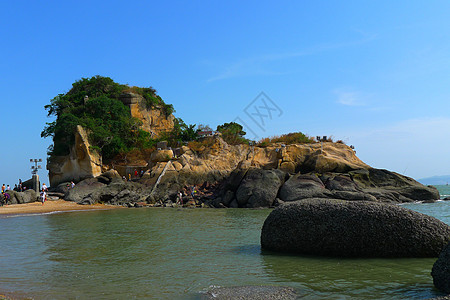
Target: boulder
[(29, 196), (352, 229), (393, 186), (14, 197), (111, 175), (116, 193), (259, 188), (161, 155), (251, 293), (339, 182), (63, 188), (302, 186), (234, 179), (83, 189), (441, 271), (22, 197)]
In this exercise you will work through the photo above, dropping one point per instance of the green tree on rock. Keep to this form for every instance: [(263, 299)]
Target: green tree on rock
[(94, 104), (233, 133)]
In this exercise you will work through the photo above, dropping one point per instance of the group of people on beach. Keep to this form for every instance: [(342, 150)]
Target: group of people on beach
[(6, 196)]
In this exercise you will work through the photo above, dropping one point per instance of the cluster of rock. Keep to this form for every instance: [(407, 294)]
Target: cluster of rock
[(27, 196), (264, 188), (107, 188), (251, 177)]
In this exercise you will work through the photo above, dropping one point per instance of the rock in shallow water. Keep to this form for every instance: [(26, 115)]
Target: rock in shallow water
[(441, 271), (251, 293), (352, 229)]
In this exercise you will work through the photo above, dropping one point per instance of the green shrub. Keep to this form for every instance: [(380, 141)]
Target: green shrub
[(290, 138)]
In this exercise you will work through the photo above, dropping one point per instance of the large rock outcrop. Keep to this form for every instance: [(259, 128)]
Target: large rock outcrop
[(441, 271), (259, 188), (352, 229), (264, 177), (154, 120), (82, 161)]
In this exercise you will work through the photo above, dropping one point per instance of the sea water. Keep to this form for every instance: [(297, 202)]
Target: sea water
[(179, 253), (444, 190)]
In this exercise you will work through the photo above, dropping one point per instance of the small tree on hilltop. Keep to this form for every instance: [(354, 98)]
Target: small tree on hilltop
[(232, 133), (202, 127)]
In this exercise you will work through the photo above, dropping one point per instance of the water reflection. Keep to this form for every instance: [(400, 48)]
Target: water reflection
[(174, 254), (361, 278)]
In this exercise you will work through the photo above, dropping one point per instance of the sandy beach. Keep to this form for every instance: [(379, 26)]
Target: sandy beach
[(50, 206)]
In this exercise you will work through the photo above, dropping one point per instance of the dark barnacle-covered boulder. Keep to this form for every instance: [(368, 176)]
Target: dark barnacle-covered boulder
[(441, 271), (332, 227)]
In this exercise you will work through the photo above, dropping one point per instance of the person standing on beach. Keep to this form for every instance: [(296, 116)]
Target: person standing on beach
[(43, 196), (180, 198), (44, 193), (3, 188), (20, 185)]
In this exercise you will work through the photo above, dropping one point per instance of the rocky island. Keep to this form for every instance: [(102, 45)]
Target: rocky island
[(122, 145)]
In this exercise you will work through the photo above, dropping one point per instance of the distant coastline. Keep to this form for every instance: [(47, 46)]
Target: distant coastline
[(435, 180)]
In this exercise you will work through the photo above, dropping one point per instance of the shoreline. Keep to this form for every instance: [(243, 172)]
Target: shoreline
[(50, 207)]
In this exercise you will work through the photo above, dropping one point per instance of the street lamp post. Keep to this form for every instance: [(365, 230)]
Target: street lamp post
[(321, 140), (34, 170)]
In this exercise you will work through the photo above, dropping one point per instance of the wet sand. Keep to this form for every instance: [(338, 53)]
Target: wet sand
[(49, 207)]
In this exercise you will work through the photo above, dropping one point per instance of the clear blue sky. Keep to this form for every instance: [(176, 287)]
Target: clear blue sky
[(372, 73)]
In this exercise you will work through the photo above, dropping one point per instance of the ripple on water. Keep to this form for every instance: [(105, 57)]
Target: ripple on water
[(169, 254)]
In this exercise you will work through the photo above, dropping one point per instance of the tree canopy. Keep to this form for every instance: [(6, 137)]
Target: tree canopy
[(94, 104), (233, 133)]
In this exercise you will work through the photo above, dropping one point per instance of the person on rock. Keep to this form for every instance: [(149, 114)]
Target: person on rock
[(6, 198)]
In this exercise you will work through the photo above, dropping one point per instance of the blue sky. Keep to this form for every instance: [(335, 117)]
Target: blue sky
[(372, 73)]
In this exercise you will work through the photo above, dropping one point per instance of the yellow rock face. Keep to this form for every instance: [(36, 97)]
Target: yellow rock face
[(153, 120), (161, 155), (225, 158), (82, 162)]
